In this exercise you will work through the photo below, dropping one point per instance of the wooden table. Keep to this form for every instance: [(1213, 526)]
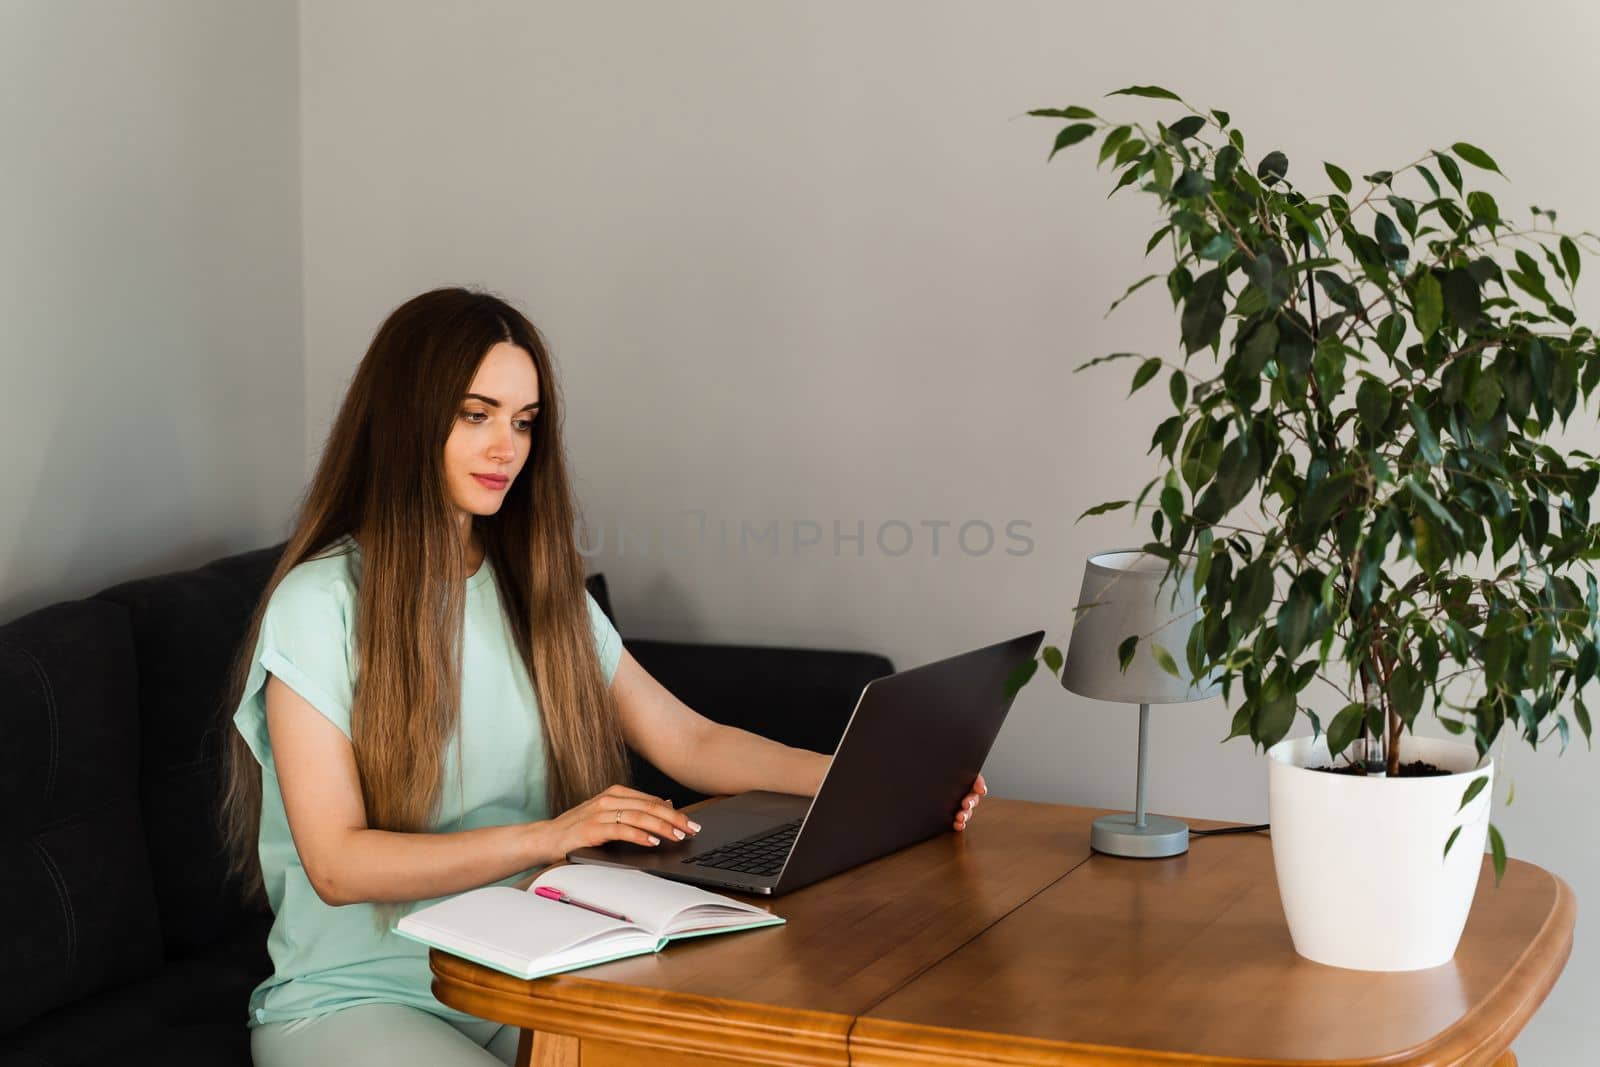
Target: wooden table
[(1015, 944)]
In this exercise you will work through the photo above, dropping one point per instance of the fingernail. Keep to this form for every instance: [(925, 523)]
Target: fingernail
[(677, 833), (694, 826), (654, 840)]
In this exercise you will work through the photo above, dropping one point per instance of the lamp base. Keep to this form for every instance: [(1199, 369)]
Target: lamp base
[(1116, 835)]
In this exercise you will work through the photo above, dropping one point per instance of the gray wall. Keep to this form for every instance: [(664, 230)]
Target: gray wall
[(806, 262), (151, 352)]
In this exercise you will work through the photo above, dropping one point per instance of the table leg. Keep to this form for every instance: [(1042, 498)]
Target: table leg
[(540, 1049)]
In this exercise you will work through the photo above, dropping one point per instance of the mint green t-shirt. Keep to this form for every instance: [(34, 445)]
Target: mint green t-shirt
[(326, 958)]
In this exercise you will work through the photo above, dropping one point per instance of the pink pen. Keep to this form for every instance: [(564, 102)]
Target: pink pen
[(561, 898)]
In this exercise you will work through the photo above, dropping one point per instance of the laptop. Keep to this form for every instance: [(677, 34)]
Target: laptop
[(909, 754)]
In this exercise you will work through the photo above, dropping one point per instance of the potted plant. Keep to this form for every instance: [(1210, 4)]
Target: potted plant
[(1360, 480)]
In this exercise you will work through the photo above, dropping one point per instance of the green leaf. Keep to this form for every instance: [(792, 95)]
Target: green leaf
[(1052, 658), (1241, 723), (1339, 291), (1428, 500), (1204, 311), (1319, 503), (1187, 126), (1178, 387), (1165, 661), (1531, 284), (1462, 299), (1497, 847), (1114, 140), (1227, 160), (1344, 728), (1161, 170), (1254, 595), (1153, 92), (1070, 136), (1452, 173), (1391, 331), (1294, 621), (1390, 243), (1588, 661), (1020, 676), (1268, 273), (1474, 787), (1484, 396), (1274, 713), (1476, 156), (1237, 472), (1217, 249), (1406, 211), (1129, 151), (1373, 402), (1453, 835), (1273, 166), (1101, 509), (1191, 183), (1096, 361), (1427, 176), (1073, 112), (1341, 181), (1125, 651), (1427, 442), (1480, 205), (1569, 256), (1146, 371), (1427, 304), (1134, 288), (1306, 224), (1405, 693)]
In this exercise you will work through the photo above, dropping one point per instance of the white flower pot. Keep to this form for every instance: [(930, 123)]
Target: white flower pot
[(1360, 861)]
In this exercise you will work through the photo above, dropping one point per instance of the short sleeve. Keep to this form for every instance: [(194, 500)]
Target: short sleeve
[(306, 641), (607, 642)]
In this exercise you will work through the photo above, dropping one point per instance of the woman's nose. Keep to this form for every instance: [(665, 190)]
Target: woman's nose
[(503, 448)]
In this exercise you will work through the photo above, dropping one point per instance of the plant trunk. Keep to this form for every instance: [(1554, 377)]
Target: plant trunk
[(1394, 742), (1380, 673)]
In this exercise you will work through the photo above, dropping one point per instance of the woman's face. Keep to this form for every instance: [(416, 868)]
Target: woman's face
[(493, 431)]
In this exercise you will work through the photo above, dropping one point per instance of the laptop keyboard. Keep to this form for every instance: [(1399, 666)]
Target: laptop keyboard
[(760, 854)]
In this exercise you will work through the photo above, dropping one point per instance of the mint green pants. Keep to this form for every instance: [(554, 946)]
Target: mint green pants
[(382, 1035)]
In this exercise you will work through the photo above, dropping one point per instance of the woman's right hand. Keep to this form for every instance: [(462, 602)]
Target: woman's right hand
[(618, 814)]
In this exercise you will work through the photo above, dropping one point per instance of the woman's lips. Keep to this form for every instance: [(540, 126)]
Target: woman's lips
[(492, 481)]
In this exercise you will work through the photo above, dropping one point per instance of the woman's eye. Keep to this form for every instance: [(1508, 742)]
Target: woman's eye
[(524, 425), (474, 416)]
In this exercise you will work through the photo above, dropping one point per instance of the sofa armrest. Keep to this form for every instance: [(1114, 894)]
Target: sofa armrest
[(800, 697)]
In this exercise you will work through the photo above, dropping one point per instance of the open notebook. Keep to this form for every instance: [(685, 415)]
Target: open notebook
[(529, 936)]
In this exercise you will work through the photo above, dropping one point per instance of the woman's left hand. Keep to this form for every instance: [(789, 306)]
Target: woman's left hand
[(969, 803)]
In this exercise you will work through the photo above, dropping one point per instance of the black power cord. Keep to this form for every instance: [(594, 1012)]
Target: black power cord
[(1230, 830)]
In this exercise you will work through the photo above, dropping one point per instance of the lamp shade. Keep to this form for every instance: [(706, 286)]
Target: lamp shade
[(1128, 598)]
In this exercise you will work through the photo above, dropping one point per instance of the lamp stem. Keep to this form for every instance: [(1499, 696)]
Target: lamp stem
[(1144, 724)]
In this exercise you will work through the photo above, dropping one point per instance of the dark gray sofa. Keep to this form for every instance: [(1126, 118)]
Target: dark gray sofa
[(122, 940)]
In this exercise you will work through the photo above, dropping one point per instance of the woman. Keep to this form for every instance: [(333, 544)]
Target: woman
[(431, 701)]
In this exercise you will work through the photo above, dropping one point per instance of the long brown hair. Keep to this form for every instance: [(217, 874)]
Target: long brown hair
[(382, 480)]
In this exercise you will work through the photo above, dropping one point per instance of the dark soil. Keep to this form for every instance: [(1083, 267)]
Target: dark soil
[(1414, 769)]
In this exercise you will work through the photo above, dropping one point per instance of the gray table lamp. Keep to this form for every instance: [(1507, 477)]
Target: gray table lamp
[(1123, 596)]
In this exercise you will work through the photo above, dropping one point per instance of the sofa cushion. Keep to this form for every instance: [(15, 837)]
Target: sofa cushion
[(187, 628), (799, 696), (191, 1011), (75, 883)]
